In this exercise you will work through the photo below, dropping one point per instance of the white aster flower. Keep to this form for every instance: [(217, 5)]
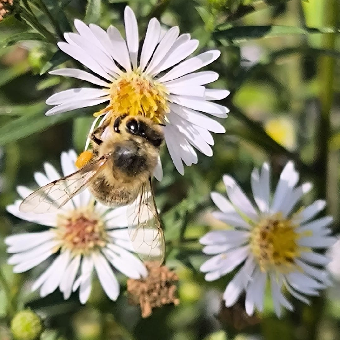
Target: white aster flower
[(85, 237), (150, 80), (273, 241)]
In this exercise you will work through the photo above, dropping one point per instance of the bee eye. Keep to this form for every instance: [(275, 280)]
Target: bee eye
[(116, 125), (132, 126)]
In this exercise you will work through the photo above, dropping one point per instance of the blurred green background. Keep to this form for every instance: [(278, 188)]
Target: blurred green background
[(280, 60)]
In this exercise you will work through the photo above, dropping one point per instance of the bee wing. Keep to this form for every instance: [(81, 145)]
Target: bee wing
[(54, 195), (145, 229)]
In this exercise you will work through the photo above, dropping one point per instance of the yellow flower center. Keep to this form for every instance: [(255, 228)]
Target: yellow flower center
[(81, 231), (137, 94), (274, 244)]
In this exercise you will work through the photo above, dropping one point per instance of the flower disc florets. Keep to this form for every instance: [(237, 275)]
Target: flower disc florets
[(270, 242)]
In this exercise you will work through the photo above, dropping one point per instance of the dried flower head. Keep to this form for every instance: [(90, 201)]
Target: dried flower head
[(5, 8), (156, 290)]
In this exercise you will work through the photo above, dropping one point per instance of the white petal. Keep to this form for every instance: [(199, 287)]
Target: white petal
[(260, 188), (317, 241), (163, 48), (23, 242), (197, 118), (170, 139), (295, 294), (67, 281), (79, 74), (222, 203), (41, 179), (91, 50), (216, 94), (223, 237), (176, 54), (85, 281), (315, 258), (197, 91), (78, 53), (106, 46), (238, 198), (291, 200), (131, 30), (121, 264), (239, 282), (29, 264), (278, 298), (191, 65), (52, 269), (224, 263), (200, 105), (232, 219), (75, 105), (119, 49), (312, 210), (288, 179), (59, 266), (44, 248), (180, 126), (23, 191), (198, 78), (316, 226), (151, 40), (106, 276), (158, 173), (259, 285), (77, 94), (316, 273)]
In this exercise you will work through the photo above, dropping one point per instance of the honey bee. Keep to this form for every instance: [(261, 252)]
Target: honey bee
[(119, 173)]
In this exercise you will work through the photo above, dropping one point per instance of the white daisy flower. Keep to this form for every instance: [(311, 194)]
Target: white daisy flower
[(85, 237), (273, 241), (150, 80)]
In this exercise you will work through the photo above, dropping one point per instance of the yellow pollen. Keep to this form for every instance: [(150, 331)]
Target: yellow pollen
[(274, 244), (136, 94), (81, 231)]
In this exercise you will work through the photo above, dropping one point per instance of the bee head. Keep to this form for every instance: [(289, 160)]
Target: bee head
[(139, 126)]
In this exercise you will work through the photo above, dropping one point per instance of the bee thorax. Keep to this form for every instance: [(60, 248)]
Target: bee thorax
[(130, 159)]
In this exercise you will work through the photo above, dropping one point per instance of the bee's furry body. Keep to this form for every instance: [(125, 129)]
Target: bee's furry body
[(132, 161)]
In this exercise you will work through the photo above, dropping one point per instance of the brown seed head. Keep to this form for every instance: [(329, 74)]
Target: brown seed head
[(156, 290), (5, 7)]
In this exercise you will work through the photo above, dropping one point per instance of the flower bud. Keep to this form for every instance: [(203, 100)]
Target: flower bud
[(26, 325)]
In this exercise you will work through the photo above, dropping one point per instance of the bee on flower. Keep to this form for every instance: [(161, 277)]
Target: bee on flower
[(155, 80), (83, 237), (273, 241)]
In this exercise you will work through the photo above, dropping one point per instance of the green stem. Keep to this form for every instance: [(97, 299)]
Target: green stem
[(329, 16), (258, 130), (33, 21), (7, 290)]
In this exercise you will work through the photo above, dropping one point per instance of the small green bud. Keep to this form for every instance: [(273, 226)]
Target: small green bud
[(26, 325), (36, 59)]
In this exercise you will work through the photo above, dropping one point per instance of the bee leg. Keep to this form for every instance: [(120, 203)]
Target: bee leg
[(98, 132)]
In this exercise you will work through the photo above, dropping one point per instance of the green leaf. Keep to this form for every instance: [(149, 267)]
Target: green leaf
[(58, 58), (81, 129), (252, 32), (13, 39), (29, 124), (58, 12), (93, 11), (21, 110)]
